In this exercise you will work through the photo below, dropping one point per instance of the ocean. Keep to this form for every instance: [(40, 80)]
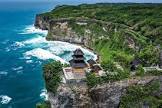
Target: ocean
[(24, 50)]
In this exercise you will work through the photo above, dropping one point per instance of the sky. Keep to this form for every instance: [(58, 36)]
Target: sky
[(135, 1)]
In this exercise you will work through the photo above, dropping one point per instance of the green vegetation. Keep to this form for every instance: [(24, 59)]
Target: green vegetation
[(154, 72), (43, 105), (119, 33), (145, 19), (140, 71), (52, 75), (92, 80), (113, 73), (138, 96), (149, 55)]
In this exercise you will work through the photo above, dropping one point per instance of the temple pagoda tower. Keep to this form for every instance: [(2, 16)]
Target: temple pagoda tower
[(77, 63)]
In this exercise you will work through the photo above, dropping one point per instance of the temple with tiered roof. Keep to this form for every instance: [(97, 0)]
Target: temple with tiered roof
[(77, 63), (79, 67)]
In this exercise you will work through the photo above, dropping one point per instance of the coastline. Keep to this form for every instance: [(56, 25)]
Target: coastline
[(77, 44)]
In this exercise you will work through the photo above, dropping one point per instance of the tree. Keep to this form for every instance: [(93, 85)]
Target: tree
[(149, 55), (92, 80), (52, 74)]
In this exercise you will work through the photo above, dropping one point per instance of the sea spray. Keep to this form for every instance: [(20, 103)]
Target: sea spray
[(4, 99)]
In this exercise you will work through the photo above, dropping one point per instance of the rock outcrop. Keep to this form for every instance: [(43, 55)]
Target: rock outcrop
[(102, 96), (42, 22)]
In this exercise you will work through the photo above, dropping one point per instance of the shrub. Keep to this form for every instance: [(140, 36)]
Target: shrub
[(92, 80), (137, 95), (140, 71)]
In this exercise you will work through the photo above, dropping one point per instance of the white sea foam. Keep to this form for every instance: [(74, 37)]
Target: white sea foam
[(29, 61), (53, 48), (14, 46), (43, 54), (4, 99), (17, 68), (35, 40), (32, 30), (27, 57), (60, 47), (43, 94), (3, 73), (18, 44)]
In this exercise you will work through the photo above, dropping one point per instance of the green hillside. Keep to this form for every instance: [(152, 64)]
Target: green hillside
[(142, 18), (119, 33)]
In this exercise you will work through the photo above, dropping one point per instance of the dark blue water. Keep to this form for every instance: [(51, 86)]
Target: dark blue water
[(23, 51), (22, 83)]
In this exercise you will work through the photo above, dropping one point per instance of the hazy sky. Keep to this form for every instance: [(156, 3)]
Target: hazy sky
[(136, 1)]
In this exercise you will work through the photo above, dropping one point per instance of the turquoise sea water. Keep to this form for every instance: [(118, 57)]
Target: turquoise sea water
[(23, 51)]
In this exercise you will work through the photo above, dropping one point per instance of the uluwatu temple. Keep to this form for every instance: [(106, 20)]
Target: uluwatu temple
[(79, 67)]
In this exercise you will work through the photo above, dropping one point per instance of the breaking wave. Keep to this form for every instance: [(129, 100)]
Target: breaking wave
[(60, 47), (44, 94), (32, 30), (4, 99), (43, 54), (17, 68), (29, 61), (43, 49)]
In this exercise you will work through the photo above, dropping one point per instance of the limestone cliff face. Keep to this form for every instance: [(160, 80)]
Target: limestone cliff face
[(59, 29), (101, 96), (42, 22)]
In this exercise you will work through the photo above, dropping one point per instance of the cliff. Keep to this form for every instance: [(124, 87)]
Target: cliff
[(120, 35), (59, 30), (101, 96)]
